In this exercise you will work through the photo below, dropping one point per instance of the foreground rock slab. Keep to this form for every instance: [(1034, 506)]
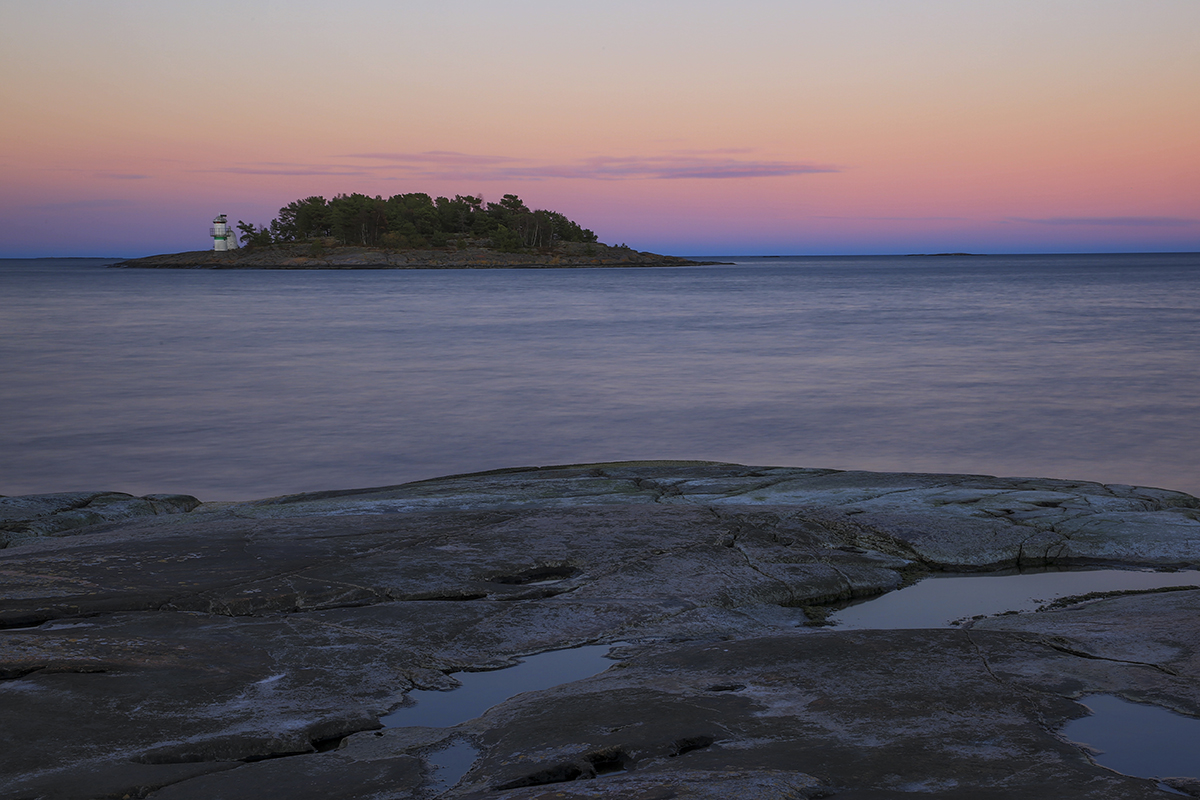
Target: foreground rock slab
[(173, 650)]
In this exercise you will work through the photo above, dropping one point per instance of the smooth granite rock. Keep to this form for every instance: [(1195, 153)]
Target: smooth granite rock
[(36, 515), (227, 650)]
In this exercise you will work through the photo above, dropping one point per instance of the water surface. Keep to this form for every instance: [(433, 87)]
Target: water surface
[(942, 600), (451, 763), (482, 690), (1136, 739), (247, 384)]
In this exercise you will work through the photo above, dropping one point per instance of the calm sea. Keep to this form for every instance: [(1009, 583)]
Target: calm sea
[(244, 384)]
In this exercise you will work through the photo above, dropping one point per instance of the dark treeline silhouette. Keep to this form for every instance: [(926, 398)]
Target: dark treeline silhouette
[(416, 221)]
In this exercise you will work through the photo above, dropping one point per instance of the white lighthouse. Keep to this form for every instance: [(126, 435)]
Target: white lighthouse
[(223, 236)]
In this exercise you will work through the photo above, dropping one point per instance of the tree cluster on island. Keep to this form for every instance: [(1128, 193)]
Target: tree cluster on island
[(416, 221)]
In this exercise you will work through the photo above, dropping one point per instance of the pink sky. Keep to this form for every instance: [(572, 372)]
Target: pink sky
[(764, 126)]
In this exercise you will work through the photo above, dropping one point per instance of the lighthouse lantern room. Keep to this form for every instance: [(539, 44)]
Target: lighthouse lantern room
[(222, 234)]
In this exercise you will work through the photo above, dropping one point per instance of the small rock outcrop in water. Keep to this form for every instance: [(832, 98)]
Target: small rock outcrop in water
[(249, 649), (304, 256)]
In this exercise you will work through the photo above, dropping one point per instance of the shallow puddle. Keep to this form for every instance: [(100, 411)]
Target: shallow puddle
[(939, 601), (482, 690), (1140, 740), (451, 763)]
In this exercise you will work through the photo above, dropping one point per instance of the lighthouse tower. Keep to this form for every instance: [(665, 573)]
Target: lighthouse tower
[(222, 234)]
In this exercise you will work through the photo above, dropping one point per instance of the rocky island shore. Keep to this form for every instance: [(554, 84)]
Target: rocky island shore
[(166, 648), (407, 231), (306, 256)]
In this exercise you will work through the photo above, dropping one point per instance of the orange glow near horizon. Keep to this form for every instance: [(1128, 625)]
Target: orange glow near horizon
[(801, 127)]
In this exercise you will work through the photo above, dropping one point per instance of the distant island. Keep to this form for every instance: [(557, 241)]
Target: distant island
[(410, 231)]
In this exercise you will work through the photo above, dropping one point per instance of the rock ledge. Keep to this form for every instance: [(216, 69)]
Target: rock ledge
[(175, 650)]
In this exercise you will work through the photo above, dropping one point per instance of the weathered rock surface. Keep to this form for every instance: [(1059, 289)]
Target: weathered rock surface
[(32, 516), (244, 649), (304, 256)]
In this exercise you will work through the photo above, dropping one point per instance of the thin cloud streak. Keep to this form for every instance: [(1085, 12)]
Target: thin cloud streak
[(1121, 222), (83, 205), (697, 165), (670, 168), (289, 170), (894, 219), (435, 157)]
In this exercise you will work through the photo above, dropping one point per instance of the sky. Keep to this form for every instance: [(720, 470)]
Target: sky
[(697, 127)]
